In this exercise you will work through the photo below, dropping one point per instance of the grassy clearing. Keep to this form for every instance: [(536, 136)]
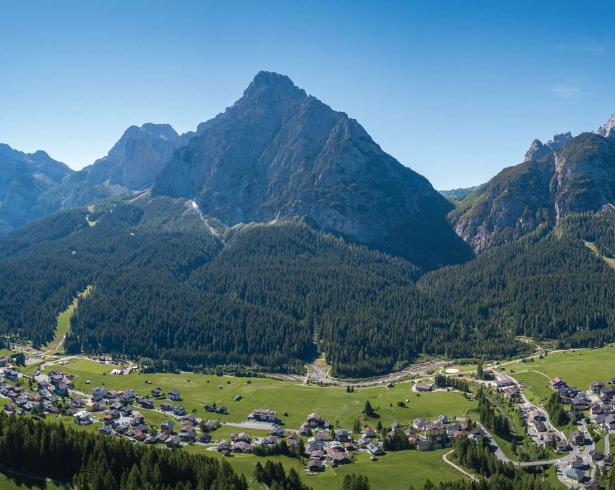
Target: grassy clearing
[(63, 324), (609, 260), (13, 483), (536, 385), (297, 399), (578, 368), (394, 471)]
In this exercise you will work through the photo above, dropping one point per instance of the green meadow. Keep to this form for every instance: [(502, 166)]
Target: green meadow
[(297, 400), (63, 324), (578, 368), (394, 471)]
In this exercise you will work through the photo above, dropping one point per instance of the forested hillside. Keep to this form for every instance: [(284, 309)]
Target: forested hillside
[(170, 283)]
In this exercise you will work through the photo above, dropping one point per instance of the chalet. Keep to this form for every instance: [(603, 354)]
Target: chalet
[(278, 432), (106, 430), (222, 410), (11, 375), (146, 403), (596, 386), (313, 420), (557, 383), (156, 392), (424, 387), (173, 442), (367, 432), (263, 415), (116, 372), (83, 418), (163, 436), (224, 446), (241, 447), (577, 463), (574, 475), (375, 449), (341, 435), (187, 433), (139, 435), (423, 444), (126, 411), (167, 426), (577, 438), (314, 444), (4, 362), (61, 389), (174, 395), (596, 455), (609, 422), (205, 438), (540, 426), (210, 425), (337, 456), (607, 393), (179, 411), (315, 465)]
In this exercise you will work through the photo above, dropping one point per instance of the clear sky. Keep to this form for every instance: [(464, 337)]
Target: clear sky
[(456, 90)]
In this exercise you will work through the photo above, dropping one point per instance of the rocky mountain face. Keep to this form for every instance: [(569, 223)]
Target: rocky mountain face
[(608, 129), (137, 158), (538, 150), (572, 175), (280, 153), (132, 164), (26, 180)]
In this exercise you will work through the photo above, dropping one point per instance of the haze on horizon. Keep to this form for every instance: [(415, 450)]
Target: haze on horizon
[(455, 90)]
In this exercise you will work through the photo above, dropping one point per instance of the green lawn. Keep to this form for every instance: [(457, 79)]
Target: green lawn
[(297, 399), (63, 324), (536, 385), (578, 368), (393, 471)]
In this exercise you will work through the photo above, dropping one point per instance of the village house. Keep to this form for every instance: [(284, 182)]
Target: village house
[(263, 415), (577, 438), (596, 386), (83, 418), (174, 395), (423, 387)]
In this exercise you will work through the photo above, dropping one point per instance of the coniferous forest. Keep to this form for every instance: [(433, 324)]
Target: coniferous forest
[(272, 296)]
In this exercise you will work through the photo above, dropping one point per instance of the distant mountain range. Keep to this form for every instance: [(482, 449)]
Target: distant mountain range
[(280, 228)]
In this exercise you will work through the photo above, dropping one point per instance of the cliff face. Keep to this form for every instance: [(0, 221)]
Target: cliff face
[(578, 176), (279, 153), (25, 182)]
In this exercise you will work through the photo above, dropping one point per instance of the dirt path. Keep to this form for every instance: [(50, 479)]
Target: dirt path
[(457, 467)]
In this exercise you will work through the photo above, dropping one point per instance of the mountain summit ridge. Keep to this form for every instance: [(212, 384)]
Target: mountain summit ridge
[(278, 152)]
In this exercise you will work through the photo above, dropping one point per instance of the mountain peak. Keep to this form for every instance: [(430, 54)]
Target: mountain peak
[(267, 82), (608, 129), (163, 131)]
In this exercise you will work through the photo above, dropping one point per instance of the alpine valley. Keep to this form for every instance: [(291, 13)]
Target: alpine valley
[(279, 231)]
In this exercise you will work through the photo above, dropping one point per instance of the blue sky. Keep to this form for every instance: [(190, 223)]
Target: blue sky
[(456, 90)]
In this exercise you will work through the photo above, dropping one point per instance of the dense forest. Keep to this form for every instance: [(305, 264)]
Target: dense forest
[(166, 285), (94, 462)]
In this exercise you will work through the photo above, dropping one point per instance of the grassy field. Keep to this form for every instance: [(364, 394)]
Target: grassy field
[(578, 368), (9, 483), (297, 399), (394, 471), (63, 324)]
